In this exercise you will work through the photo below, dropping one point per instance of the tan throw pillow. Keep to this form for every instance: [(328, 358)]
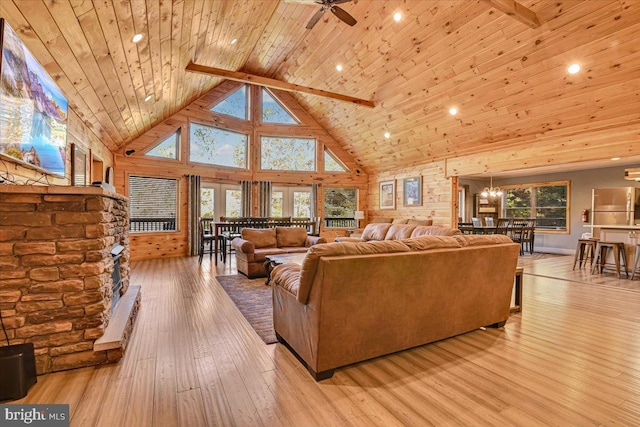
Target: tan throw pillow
[(260, 237), (424, 243), (400, 221), (375, 231), (399, 231), (291, 236)]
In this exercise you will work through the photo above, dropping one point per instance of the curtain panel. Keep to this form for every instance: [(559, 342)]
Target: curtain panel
[(246, 198), (194, 213), (264, 198)]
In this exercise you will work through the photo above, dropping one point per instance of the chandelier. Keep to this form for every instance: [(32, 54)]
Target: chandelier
[(491, 191)]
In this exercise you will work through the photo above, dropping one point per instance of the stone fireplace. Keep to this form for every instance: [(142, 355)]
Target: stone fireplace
[(57, 270)]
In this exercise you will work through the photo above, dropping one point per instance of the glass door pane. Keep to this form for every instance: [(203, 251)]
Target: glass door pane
[(302, 204), (207, 202), (233, 205)]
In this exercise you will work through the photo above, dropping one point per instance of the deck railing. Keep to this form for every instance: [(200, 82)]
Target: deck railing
[(139, 225), (339, 222)]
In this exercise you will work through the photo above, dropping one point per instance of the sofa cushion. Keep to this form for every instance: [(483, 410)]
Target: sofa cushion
[(482, 239), (291, 236), (420, 221), (434, 230), (310, 263), (399, 231), (294, 249), (260, 237), (399, 221), (375, 231), (423, 243)]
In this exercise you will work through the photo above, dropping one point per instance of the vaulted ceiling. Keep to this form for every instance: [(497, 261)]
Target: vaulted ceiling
[(507, 80)]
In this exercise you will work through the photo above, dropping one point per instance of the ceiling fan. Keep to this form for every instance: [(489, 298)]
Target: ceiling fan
[(339, 12)]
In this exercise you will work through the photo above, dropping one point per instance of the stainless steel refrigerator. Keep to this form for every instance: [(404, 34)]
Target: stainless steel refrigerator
[(616, 206)]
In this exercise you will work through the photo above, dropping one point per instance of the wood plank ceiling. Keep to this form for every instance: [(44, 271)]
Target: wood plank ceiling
[(508, 80)]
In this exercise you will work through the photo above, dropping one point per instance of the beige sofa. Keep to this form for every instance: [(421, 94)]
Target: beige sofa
[(255, 244), (350, 302), (390, 231)]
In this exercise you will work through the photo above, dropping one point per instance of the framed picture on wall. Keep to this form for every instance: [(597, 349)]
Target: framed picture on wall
[(388, 194), (78, 166), (412, 191)]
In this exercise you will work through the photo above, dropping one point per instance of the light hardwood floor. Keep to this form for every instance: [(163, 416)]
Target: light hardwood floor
[(572, 357)]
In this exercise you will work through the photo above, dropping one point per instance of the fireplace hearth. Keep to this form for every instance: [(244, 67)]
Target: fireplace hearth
[(64, 268)]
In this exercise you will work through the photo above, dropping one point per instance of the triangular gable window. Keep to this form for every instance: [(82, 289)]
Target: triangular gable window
[(168, 148), (234, 105), (274, 112), (331, 164)]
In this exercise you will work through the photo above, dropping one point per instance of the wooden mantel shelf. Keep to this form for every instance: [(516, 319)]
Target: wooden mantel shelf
[(58, 189)]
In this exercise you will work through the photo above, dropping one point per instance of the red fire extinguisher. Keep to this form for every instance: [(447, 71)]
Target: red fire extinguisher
[(585, 215)]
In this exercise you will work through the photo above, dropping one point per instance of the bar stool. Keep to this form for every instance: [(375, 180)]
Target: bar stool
[(602, 249), (586, 250), (636, 258)]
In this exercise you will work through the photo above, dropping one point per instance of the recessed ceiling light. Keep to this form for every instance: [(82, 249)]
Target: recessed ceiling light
[(137, 38), (387, 135), (148, 98), (339, 67), (573, 68), (397, 16), (234, 41), (453, 111), (615, 158)]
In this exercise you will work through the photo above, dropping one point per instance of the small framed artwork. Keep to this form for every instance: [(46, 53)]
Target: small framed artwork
[(78, 166), (388, 194), (412, 192)]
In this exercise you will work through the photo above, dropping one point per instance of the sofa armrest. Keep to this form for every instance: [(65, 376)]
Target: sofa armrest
[(314, 240), (241, 245), (287, 276)]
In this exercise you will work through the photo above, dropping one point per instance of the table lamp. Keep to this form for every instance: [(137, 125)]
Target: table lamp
[(358, 216)]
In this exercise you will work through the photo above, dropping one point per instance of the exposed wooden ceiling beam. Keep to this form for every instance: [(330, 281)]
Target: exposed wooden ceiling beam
[(273, 83), (516, 11)]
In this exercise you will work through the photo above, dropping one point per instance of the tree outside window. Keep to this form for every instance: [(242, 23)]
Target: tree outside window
[(207, 202), (301, 204), (547, 203), (340, 203), (233, 199), (277, 203), (215, 146), (288, 154)]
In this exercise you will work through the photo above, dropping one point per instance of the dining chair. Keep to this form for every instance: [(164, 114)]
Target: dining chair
[(477, 222), (489, 221), (206, 237), (528, 235), (502, 226), (236, 224), (465, 227), (516, 232)]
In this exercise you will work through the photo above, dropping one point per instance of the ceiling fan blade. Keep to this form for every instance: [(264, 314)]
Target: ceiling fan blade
[(343, 15), (315, 18), (340, 1)]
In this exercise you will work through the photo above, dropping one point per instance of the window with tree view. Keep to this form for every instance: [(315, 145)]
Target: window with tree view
[(153, 204), (340, 206), (219, 147), (287, 154), (547, 203)]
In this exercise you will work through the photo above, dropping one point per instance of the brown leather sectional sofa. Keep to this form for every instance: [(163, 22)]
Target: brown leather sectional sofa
[(256, 243), (350, 302)]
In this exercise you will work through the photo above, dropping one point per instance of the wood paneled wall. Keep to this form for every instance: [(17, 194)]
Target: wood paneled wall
[(437, 195), (167, 244)]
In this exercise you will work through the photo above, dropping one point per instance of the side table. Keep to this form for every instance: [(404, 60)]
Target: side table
[(517, 307)]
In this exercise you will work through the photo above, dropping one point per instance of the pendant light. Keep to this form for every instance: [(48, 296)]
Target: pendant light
[(491, 191)]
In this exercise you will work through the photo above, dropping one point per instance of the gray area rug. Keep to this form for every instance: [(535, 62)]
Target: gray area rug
[(253, 299)]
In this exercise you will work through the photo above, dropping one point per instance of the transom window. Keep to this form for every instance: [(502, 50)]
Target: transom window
[(274, 112), (287, 154), (234, 105), (332, 164), (546, 202), (216, 146), (168, 148)]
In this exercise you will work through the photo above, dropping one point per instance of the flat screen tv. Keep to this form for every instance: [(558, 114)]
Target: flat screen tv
[(33, 110)]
